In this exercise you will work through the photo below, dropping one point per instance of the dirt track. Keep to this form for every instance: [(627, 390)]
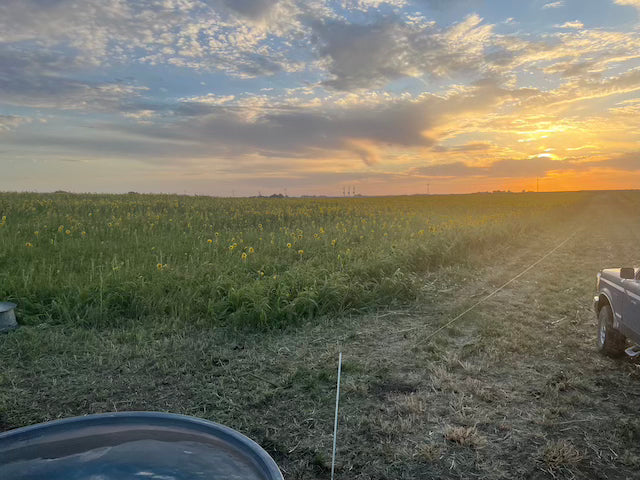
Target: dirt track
[(513, 390)]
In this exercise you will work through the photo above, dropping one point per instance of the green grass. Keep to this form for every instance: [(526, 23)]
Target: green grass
[(107, 260)]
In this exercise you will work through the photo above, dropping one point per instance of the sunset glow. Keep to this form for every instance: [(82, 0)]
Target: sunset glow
[(240, 97)]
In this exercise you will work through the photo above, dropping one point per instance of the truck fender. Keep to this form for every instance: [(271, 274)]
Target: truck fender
[(605, 296)]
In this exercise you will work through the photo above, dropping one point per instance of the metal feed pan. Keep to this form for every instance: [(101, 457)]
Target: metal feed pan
[(112, 446), (7, 316)]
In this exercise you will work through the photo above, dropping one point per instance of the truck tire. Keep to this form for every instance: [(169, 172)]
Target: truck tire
[(610, 341)]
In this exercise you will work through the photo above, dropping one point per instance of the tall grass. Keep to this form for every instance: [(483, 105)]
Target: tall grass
[(102, 260)]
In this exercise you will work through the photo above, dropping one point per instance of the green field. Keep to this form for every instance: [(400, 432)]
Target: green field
[(142, 312), (105, 260)]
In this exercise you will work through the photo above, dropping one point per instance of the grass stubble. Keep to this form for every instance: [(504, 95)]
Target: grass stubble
[(515, 389)]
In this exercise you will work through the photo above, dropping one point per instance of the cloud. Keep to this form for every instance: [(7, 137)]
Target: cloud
[(627, 162), (371, 55), (253, 9), (509, 168), (186, 33), (573, 24), (631, 3), (467, 147), (538, 166), (10, 122), (199, 129), (43, 79), (553, 5)]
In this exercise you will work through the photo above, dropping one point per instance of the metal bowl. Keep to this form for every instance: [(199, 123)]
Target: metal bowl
[(132, 446), (7, 316)]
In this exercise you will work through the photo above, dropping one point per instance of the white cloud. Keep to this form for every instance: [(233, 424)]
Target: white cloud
[(631, 3), (10, 122), (573, 24), (553, 5)]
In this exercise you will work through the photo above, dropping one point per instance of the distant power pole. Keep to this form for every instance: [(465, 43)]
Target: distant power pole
[(349, 190), (343, 192)]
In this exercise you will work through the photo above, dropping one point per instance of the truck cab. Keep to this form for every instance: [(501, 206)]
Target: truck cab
[(617, 305)]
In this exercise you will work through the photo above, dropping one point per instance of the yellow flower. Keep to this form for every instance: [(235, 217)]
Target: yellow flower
[(251, 250), (244, 256), (159, 266), (288, 245), (36, 233), (333, 242), (300, 252), (60, 228), (28, 245), (261, 273), (209, 241), (68, 232), (83, 233)]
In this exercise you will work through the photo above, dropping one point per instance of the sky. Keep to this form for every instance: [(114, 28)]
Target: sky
[(311, 97)]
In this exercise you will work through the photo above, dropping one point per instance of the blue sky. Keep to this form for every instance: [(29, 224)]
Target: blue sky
[(224, 97)]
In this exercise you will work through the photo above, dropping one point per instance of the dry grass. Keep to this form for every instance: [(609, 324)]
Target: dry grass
[(465, 436), (561, 453)]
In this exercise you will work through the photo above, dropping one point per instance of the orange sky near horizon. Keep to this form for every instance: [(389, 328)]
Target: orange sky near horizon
[(227, 98)]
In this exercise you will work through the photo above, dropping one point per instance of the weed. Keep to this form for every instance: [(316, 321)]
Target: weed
[(465, 436), (561, 453)]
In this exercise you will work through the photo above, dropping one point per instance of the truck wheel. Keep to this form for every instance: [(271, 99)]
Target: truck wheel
[(610, 341)]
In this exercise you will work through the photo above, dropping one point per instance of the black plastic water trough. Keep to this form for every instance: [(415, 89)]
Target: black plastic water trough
[(132, 446)]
